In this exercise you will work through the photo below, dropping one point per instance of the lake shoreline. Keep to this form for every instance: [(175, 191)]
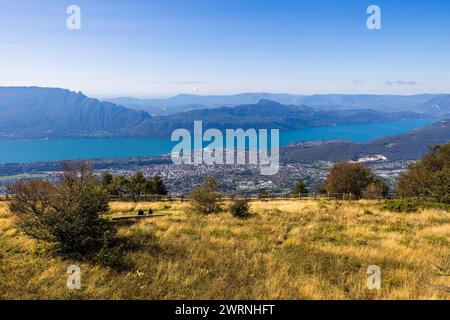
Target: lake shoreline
[(53, 150)]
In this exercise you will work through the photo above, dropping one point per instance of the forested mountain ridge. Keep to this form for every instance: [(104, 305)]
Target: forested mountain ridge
[(423, 103), (408, 146), (33, 112)]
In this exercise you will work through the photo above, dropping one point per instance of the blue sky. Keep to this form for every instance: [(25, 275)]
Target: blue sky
[(165, 47)]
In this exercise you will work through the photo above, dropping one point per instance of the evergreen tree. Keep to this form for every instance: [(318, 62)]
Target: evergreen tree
[(119, 185), (300, 188), (156, 186), (138, 183), (106, 180)]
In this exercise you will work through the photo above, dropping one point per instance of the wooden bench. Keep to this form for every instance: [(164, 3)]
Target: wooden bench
[(135, 216)]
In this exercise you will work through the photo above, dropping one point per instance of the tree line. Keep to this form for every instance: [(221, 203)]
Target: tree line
[(135, 185), (426, 180)]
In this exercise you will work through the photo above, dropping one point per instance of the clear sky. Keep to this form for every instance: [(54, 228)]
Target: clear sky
[(165, 47)]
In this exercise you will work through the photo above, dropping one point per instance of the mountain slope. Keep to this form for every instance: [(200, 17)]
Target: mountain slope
[(439, 104), (265, 114), (409, 146), (189, 102), (31, 112), (185, 102)]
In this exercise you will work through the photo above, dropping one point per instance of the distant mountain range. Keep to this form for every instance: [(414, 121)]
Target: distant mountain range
[(264, 114), (423, 103), (408, 146), (32, 112)]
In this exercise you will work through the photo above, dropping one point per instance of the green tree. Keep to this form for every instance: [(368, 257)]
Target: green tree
[(106, 180), (119, 185), (377, 189), (156, 186), (138, 183), (205, 199), (320, 189), (67, 213), (349, 179), (428, 179), (300, 188)]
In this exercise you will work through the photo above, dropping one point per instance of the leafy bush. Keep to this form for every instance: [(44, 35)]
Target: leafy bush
[(320, 189), (240, 209), (412, 205), (401, 205), (264, 195), (67, 213), (110, 254), (300, 188), (349, 178), (349, 196), (437, 206), (376, 190), (429, 179), (205, 199)]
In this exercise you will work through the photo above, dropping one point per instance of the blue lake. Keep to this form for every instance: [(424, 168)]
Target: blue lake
[(22, 151)]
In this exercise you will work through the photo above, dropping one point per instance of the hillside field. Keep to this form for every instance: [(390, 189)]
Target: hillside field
[(293, 249)]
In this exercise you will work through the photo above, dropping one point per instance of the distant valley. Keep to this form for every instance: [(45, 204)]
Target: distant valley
[(310, 161)]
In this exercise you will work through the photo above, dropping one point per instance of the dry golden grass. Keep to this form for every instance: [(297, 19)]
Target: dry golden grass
[(287, 250)]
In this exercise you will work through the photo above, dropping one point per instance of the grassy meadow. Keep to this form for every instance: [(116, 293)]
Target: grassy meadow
[(293, 249)]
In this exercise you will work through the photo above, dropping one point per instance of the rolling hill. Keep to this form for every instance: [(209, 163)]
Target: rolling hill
[(408, 146)]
